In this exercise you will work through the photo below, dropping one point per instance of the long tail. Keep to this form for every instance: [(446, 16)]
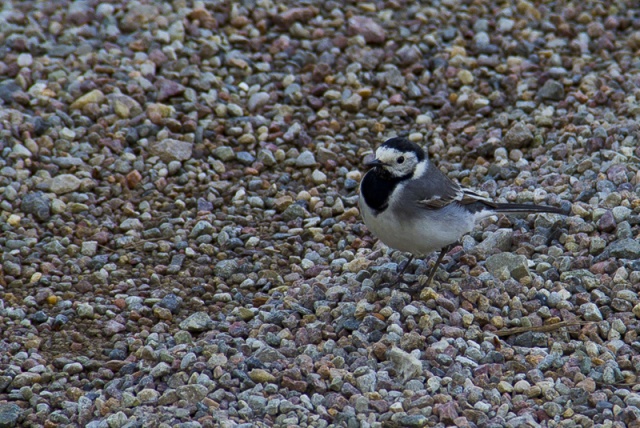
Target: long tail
[(527, 208)]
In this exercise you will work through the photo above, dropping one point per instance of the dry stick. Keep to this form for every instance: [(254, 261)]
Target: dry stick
[(542, 328), (132, 245)]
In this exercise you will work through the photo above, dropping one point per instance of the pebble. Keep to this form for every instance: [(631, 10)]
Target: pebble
[(64, 183), (266, 157), (68, 134), (591, 312), (257, 101), (224, 153), (518, 136), (113, 327), (353, 103), (505, 265), (466, 77), (623, 249), (168, 88), (124, 106), (293, 212), (500, 240), (171, 150), (367, 28), (85, 310), (196, 322), (318, 177), (261, 376), (552, 90), (305, 159), (148, 396), (94, 97), (171, 302), (226, 268), (25, 60), (245, 158), (406, 364), (10, 414), (21, 151)]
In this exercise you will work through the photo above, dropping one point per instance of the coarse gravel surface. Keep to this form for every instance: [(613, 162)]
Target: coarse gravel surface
[(180, 241)]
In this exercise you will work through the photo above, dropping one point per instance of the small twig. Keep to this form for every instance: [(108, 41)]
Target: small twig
[(140, 242), (542, 329), (104, 247)]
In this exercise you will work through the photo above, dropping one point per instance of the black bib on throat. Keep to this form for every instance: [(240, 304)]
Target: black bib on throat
[(376, 189)]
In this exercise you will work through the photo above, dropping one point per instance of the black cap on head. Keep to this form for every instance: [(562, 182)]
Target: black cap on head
[(404, 145)]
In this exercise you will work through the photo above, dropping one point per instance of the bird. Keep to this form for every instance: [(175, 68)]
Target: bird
[(411, 206)]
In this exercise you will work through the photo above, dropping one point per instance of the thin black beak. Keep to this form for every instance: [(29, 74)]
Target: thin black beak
[(373, 163)]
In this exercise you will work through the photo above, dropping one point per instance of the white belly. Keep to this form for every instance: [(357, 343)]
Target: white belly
[(426, 233)]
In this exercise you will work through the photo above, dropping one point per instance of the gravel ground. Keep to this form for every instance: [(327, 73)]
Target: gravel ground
[(181, 243)]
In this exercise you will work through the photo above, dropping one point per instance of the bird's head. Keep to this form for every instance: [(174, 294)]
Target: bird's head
[(397, 157)]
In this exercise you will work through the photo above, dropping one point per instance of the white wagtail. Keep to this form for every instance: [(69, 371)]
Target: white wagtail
[(413, 207)]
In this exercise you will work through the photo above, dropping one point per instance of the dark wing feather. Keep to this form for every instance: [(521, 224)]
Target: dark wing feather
[(440, 201), (435, 191)]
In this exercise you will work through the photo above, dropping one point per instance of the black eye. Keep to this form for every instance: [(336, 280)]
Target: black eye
[(401, 159)]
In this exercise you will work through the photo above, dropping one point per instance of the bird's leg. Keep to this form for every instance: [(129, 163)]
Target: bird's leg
[(405, 266), (399, 277), (432, 273)]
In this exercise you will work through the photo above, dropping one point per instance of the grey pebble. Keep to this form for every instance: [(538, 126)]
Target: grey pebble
[(203, 227), (367, 382), (131, 224), (622, 249), (8, 88), (591, 312), (85, 310), (12, 268), (64, 183), (175, 265), (40, 317), (235, 109), (172, 150), (67, 161), (266, 157), (412, 420), (112, 327), (224, 153), (305, 159), (497, 241), (257, 101), (10, 414), (171, 302), (552, 90), (294, 211), (503, 265), (38, 204), (192, 394), (518, 136), (226, 268), (245, 158), (196, 322)]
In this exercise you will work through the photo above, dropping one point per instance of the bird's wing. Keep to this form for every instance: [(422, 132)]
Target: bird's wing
[(442, 197), (471, 197), (435, 191)]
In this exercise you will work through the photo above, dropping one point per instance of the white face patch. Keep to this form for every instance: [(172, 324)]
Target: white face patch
[(421, 168), (397, 163)]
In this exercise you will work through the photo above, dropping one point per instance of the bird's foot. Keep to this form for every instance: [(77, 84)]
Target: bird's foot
[(404, 267)]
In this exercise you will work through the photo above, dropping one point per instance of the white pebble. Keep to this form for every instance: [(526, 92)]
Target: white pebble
[(25, 60), (416, 137), (318, 177), (104, 10)]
